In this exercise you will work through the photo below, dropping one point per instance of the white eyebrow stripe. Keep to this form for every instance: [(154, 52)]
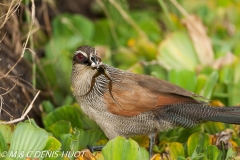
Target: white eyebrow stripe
[(95, 52), (83, 53)]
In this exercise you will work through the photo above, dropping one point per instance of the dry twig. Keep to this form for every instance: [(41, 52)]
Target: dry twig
[(24, 114)]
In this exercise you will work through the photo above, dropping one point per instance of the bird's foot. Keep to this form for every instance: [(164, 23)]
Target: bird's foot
[(95, 148)]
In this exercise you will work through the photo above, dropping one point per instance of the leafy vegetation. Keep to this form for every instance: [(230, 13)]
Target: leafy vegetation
[(193, 44)]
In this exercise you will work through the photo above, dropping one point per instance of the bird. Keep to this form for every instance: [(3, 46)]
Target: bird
[(128, 104)]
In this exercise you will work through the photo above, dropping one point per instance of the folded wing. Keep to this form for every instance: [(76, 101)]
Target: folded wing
[(134, 93)]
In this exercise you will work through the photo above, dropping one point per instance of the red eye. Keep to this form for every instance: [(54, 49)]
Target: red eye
[(80, 57)]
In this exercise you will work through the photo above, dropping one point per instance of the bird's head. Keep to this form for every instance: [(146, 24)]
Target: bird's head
[(87, 57)]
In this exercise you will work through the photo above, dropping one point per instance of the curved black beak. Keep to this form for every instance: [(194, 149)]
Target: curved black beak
[(94, 62)]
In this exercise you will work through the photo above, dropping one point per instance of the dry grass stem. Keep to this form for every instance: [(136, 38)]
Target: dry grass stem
[(26, 42), (24, 114), (14, 5), (128, 18)]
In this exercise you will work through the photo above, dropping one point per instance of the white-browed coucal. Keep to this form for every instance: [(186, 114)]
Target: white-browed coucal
[(127, 104)]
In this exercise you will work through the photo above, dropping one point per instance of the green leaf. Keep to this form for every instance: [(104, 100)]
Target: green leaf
[(66, 25), (199, 139), (52, 144), (233, 94), (177, 52), (183, 78), (27, 139), (201, 81), (47, 106), (184, 133), (66, 141), (60, 127), (213, 153), (175, 150), (226, 74), (213, 127), (121, 55), (3, 143), (119, 148), (89, 137), (209, 85), (67, 113), (7, 130), (80, 139), (103, 34), (230, 154), (6, 158), (148, 23), (181, 158)]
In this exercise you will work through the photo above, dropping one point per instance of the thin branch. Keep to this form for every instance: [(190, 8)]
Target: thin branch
[(25, 44), (110, 21), (10, 12), (25, 113), (1, 108), (180, 8), (3, 37), (128, 18), (9, 90)]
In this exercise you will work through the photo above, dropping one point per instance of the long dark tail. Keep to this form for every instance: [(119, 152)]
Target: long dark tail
[(190, 114)]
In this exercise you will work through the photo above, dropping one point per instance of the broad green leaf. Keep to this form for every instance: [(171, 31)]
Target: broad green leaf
[(156, 71), (209, 85), (213, 153), (143, 153), (66, 141), (184, 133), (60, 127), (175, 150), (201, 81), (213, 127), (120, 57), (199, 139), (89, 137), (236, 79), (177, 52), (66, 25), (148, 23), (137, 68), (67, 113), (197, 154), (183, 78), (119, 148), (3, 143), (145, 49), (7, 130), (233, 94), (52, 144), (80, 139), (47, 106), (226, 75), (102, 35), (230, 154), (27, 139), (7, 158)]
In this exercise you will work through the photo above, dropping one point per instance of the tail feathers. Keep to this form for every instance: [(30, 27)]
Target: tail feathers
[(191, 114), (226, 115)]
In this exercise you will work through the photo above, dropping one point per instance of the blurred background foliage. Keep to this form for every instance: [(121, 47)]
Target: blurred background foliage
[(194, 44), (191, 44)]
